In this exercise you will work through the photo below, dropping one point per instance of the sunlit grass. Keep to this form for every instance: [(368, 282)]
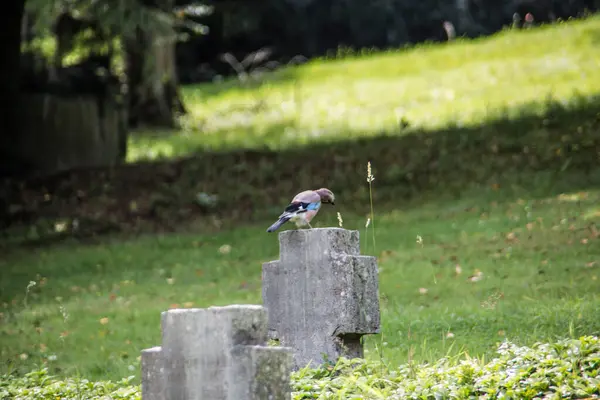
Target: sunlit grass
[(463, 83)]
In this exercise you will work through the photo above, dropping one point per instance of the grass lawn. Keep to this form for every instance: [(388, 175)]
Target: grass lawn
[(95, 307), (486, 220)]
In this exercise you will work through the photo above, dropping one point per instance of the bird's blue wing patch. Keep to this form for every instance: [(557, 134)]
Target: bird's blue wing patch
[(300, 207), (313, 206)]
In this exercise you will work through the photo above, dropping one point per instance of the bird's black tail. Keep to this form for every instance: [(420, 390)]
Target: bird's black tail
[(278, 224)]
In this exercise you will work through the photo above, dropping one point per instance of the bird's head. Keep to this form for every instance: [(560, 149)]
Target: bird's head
[(327, 196)]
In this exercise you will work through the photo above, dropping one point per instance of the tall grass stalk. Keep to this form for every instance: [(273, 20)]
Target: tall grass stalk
[(370, 179), (29, 286)]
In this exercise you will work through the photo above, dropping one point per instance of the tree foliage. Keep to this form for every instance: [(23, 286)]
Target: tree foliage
[(122, 18)]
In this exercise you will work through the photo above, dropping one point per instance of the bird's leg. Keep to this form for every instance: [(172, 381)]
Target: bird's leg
[(309, 225)]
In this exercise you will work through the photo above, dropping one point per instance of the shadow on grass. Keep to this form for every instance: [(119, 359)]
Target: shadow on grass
[(532, 154)]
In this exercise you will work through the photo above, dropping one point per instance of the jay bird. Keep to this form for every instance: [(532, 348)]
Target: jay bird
[(303, 208)]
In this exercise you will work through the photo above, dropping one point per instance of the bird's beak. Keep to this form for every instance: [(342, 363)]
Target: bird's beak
[(333, 203)]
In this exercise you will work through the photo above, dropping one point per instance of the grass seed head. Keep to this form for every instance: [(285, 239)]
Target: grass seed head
[(370, 177)]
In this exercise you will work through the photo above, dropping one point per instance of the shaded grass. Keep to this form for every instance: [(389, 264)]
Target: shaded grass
[(543, 154), (94, 307), (463, 83)]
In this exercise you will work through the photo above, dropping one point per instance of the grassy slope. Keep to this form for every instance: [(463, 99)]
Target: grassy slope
[(430, 86), (538, 251)]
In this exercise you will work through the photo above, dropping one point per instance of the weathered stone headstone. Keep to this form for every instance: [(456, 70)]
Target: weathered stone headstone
[(217, 353), (153, 382), (321, 295)]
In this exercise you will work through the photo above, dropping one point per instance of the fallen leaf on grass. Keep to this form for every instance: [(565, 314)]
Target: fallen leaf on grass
[(60, 226), (385, 255), (476, 277), (457, 269)]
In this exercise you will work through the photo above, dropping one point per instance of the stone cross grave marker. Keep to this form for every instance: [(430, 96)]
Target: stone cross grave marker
[(321, 295)]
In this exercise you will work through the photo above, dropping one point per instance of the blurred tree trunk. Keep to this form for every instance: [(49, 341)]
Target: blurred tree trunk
[(10, 53), (152, 76)]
